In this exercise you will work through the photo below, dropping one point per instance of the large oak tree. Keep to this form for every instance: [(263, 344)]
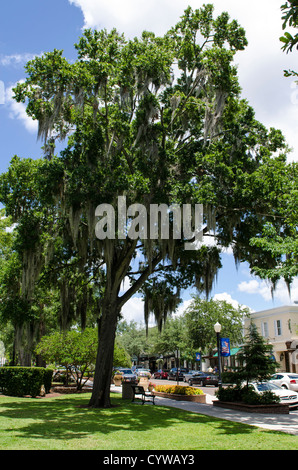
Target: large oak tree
[(157, 120)]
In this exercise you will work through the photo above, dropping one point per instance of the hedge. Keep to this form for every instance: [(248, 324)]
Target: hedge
[(20, 381), (48, 376), (246, 395)]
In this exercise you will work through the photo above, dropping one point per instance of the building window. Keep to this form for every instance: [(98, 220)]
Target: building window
[(265, 331), (277, 327)]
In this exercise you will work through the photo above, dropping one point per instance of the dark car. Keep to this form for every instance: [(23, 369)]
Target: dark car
[(128, 375), (160, 374), (173, 374), (203, 379)]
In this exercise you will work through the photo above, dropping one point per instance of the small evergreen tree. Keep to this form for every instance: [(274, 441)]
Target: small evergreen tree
[(256, 358)]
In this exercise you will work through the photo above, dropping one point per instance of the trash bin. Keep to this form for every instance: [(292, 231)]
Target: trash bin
[(127, 392)]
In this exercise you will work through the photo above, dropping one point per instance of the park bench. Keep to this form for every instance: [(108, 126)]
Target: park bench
[(145, 396)]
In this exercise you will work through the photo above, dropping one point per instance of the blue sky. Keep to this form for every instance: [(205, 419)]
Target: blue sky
[(31, 27)]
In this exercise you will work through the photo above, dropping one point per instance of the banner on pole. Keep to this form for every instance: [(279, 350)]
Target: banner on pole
[(198, 356), (225, 347)]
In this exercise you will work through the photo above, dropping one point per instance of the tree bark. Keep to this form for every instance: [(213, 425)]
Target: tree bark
[(100, 397)]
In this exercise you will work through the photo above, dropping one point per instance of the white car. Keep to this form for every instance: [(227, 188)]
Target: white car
[(287, 397), (285, 380), (143, 373)]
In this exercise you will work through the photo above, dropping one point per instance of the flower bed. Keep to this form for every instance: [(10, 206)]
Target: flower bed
[(180, 392)]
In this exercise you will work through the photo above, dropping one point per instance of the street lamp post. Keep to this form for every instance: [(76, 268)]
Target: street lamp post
[(177, 354), (217, 328)]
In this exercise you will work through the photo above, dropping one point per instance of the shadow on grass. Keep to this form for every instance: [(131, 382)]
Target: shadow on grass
[(68, 418)]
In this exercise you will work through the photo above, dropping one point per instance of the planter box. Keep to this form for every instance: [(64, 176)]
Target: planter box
[(117, 383), (174, 396), (144, 382), (274, 408)]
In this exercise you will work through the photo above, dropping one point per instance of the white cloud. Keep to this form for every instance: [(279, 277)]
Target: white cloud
[(133, 310), (224, 296), (15, 59), (130, 16), (262, 288), (250, 287), (182, 307), (18, 111)]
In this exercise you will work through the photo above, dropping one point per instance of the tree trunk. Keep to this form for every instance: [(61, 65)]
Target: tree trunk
[(100, 397), (117, 266)]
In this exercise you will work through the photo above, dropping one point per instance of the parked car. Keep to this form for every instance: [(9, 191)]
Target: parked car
[(188, 374), (143, 373), (128, 375), (160, 374), (203, 379), (286, 397), (157, 374), (134, 368), (173, 373), (196, 377), (285, 380)]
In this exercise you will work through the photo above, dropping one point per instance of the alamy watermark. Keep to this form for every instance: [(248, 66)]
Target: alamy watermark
[(160, 221)]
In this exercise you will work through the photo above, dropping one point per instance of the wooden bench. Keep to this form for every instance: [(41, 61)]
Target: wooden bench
[(145, 396)]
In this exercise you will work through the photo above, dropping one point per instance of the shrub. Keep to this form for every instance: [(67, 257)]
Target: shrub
[(48, 376), (229, 394), (246, 395), (231, 378), (20, 381), (251, 397)]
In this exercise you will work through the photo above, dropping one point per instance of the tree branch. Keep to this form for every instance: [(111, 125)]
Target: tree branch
[(139, 282)]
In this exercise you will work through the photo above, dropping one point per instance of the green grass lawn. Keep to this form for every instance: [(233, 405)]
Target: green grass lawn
[(63, 424)]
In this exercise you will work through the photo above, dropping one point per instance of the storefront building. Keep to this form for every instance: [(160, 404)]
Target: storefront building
[(279, 326)]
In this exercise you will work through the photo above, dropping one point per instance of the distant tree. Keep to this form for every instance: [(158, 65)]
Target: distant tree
[(133, 338), (75, 350), (201, 316), (121, 357), (256, 358), (172, 337)]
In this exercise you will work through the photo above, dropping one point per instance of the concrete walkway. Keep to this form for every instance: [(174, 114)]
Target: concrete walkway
[(276, 422)]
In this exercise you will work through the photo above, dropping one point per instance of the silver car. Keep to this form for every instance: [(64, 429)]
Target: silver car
[(286, 380)]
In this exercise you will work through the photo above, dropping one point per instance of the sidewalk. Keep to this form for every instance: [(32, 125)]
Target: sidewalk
[(276, 422)]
